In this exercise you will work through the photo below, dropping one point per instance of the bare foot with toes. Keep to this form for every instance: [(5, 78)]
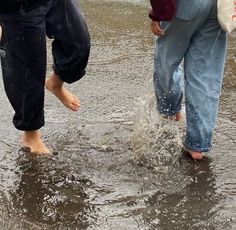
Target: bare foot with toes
[(32, 141), (55, 86)]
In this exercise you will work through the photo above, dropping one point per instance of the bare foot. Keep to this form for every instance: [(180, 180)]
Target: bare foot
[(177, 117), (194, 155), (55, 86), (32, 141)]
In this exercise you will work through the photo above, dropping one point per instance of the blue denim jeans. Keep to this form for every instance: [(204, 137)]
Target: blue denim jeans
[(199, 43)]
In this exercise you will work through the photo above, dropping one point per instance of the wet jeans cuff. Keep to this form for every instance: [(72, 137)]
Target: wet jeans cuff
[(195, 149), (164, 112)]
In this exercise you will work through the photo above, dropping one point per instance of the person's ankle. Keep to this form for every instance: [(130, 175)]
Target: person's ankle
[(54, 82), (33, 142), (195, 155), (29, 135), (177, 117)]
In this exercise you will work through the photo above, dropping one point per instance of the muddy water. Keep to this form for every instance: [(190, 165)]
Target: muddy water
[(116, 164)]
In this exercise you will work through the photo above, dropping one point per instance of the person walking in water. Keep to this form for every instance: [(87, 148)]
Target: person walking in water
[(189, 31), (25, 24)]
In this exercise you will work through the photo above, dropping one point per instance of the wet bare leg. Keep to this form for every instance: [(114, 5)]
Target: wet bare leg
[(32, 141), (194, 155), (55, 85)]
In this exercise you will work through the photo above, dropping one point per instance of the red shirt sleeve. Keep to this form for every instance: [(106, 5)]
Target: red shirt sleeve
[(162, 10)]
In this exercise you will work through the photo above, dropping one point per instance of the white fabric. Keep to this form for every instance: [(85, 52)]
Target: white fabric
[(227, 14)]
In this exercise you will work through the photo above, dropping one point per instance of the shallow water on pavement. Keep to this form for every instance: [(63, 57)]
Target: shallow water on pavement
[(117, 165)]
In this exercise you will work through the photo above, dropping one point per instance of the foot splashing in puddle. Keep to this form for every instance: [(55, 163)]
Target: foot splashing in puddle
[(156, 141), (99, 180)]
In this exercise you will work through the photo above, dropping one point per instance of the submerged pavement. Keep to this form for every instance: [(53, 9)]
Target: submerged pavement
[(116, 166)]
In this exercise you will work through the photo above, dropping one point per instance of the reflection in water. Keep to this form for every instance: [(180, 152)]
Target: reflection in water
[(50, 194), (97, 181), (192, 206)]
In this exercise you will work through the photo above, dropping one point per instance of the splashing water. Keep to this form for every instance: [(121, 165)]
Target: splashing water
[(156, 141)]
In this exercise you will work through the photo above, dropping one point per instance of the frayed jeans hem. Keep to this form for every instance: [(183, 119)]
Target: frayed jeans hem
[(206, 149)]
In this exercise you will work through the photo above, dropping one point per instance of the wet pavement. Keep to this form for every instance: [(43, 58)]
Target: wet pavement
[(117, 165)]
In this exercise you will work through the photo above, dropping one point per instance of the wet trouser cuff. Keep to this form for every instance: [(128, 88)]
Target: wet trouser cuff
[(167, 113), (28, 126), (69, 77), (197, 149)]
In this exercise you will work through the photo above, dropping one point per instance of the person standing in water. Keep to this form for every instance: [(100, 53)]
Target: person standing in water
[(189, 31), (25, 24)]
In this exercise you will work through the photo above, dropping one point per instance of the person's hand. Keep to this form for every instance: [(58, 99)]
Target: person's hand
[(156, 28)]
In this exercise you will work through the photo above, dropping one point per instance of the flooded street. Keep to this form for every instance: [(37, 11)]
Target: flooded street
[(116, 164)]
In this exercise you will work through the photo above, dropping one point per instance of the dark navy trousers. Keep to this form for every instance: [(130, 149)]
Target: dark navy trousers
[(24, 65)]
